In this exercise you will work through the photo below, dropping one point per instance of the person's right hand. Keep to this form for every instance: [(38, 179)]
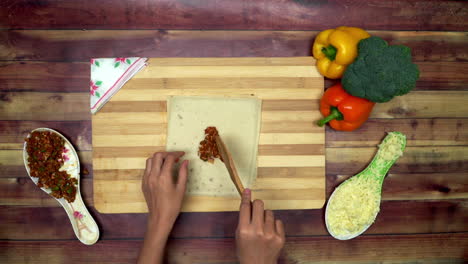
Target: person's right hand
[(259, 237)]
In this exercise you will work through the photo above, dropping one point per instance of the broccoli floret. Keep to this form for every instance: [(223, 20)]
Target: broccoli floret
[(380, 72)]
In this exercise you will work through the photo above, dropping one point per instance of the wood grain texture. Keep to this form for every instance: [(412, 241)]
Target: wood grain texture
[(74, 76), (13, 133), (23, 192), (399, 217), (428, 248), (419, 132), (12, 166), (79, 45), (225, 14), (35, 106), (37, 67), (304, 84), (340, 161)]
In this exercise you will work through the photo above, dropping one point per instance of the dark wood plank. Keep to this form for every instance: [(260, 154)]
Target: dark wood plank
[(429, 248), (12, 133), (52, 223), (12, 165), (419, 132), (56, 45), (23, 192), (448, 159), (44, 106), (74, 77), (245, 14), (44, 76), (414, 186)]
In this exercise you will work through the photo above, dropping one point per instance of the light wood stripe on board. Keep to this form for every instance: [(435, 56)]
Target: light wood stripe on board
[(247, 61), (227, 71), (154, 118), (151, 129), (263, 150), (160, 140), (292, 183), (262, 172), (291, 138), (265, 94), (122, 163), (129, 140), (222, 83), (161, 106), (291, 161)]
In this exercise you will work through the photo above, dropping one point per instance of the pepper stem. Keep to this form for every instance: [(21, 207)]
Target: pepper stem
[(330, 52), (334, 114)]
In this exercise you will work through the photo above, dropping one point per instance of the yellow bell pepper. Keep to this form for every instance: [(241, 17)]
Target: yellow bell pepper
[(335, 49)]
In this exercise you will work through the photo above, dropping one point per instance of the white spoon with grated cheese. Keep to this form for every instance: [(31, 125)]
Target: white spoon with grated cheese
[(354, 205)]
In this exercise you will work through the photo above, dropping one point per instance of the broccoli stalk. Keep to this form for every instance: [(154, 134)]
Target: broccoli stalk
[(380, 72)]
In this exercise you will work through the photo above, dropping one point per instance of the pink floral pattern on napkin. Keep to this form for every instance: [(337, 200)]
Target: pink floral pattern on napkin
[(108, 75), (93, 87), (118, 61)]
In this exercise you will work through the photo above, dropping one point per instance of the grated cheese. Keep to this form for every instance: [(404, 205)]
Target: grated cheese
[(354, 206)]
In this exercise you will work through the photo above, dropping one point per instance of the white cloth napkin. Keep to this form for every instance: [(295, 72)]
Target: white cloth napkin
[(108, 75)]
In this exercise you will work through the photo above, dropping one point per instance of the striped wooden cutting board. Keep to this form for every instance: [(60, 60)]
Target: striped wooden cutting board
[(291, 156)]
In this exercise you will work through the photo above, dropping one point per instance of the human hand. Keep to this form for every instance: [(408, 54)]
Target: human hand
[(163, 194), (259, 237)]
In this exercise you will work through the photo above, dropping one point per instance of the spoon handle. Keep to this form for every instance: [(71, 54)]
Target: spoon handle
[(390, 150), (83, 224)]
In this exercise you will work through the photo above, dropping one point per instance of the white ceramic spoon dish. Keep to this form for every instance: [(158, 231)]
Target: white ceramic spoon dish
[(354, 205), (84, 226)]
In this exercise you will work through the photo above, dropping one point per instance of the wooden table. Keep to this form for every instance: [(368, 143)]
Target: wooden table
[(45, 47)]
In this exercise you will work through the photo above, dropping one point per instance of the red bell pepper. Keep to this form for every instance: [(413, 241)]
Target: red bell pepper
[(343, 111)]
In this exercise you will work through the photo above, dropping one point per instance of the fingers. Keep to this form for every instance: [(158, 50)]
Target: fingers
[(245, 208), (257, 213), (157, 162), (147, 171), (280, 228), (183, 173), (159, 158), (269, 222), (169, 162)]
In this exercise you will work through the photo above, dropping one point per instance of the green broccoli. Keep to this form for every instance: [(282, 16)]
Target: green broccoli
[(380, 72)]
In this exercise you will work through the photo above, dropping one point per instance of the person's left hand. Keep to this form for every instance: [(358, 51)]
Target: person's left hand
[(163, 193)]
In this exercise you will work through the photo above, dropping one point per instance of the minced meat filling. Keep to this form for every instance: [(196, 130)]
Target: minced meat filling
[(208, 150), (45, 159)]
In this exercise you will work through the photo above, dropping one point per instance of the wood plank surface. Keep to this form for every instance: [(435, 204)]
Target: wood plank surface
[(424, 180), (44, 82), (228, 15), (74, 76), (398, 217), (35, 106), (121, 150), (427, 248), (420, 132), (340, 161), (79, 45)]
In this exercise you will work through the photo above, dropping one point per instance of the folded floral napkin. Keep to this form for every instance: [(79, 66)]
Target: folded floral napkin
[(108, 75)]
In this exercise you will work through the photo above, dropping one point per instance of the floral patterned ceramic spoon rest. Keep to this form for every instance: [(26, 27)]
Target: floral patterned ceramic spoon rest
[(84, 226)]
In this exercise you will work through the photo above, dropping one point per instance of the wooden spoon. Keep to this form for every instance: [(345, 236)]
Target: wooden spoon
[(229, 162), (84, 226)]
